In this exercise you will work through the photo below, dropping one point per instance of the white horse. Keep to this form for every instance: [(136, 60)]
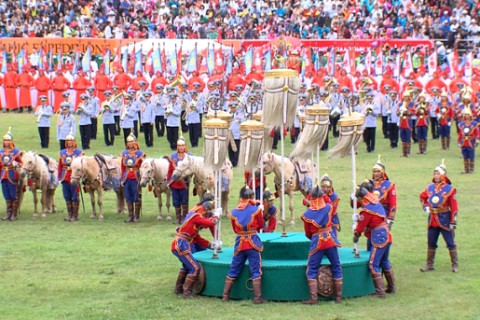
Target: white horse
[(88, 171), (273, 163), (41, 172), (204, 179), (155, 171)]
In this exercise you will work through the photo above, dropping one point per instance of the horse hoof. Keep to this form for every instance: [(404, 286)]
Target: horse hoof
[(44, 215), (169, 218), (35, 215), (92, 216), (280, 222), (292, 222), (159, 218), (100, 218)]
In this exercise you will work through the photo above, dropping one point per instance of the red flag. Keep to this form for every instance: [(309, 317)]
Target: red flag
[(118, 55), (257, 58), (219, 63), (179, 60)]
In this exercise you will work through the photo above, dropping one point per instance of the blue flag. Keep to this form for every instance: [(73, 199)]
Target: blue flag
[(50, 61), (210, 60), (268, 60), (4, 61), (248, 60), (192, 60), (106, 62), (40, 59), (173, 61), (229, 67), (156, 60), (138, 60), (20, 60), (125, 59), (86, 60), (76, 63)]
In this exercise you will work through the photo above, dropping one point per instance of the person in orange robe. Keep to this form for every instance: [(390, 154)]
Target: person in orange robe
[(196, 79), (80, 85), (10, 85), (60, 84), (254, 75), (159, 78), (43, 85), (102, 83), (435, 82), (388, 80), (122, 80), (457, 83), (137, 79), (344, 80), (24, 81), (235, 79)]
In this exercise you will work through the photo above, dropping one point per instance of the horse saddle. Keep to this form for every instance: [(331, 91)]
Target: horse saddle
[(304, 172), (107, 161), (51, 164)]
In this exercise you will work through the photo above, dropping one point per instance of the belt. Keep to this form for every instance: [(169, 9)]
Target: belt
[(67, 168), (439, 210), (381, 225), (246, 233), (319, 231), (184, 237), (132, 169)]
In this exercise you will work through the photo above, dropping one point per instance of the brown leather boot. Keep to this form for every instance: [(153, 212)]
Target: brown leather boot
[(184, 210), (448, 143), (69, 211), (420, 146), (14, 210), (466, 166), (182, 274), (138, 206), (313, 290), (390, 281), (409, 147), (430, 260), (75, 207), (444, 143), (130, 212), (379, 286), (257, 291), (178, 214), (8, 214), (471, 165), (227, 288), (425, 142), (188, 287), (404, 149), (454, 259), (338, 283)]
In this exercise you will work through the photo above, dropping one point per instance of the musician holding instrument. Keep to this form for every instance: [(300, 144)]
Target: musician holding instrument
[(65, 124), (238, 116), (159, 100), (43, 112), (371, 110), (108, 120), (66, 100), (406, 128), (147, 116), (392, 118), (172, 112), (184, 97), (422, 124), (445, 115), (193, 120), (116, 103), (85, 111), (299, 118), (127, 117), (94, 103)]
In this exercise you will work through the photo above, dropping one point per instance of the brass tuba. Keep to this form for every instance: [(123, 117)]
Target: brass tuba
[(176, 82)]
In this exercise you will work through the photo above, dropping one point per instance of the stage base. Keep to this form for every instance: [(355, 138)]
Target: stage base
[(284, 261)]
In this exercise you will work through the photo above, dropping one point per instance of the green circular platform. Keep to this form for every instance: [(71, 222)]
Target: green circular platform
[(284, 261)]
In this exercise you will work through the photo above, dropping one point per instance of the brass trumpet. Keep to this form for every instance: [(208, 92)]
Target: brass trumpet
[(40, 115)]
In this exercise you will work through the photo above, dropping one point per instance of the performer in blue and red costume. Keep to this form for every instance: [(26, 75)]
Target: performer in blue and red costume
[(10, 161), (468, 135), (439, 200), (317, 222), (247, 221), (70, 192), (178, 187), (269, 211), (372, 217), (326, 184), (188, 238), (132, 158), (386, 191)]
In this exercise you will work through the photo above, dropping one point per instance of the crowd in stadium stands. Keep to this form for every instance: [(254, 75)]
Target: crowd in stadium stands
[(243, 19)]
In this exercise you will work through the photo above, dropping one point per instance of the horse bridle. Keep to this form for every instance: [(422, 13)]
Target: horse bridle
[(82, 171), (30, 170), (186, 169)]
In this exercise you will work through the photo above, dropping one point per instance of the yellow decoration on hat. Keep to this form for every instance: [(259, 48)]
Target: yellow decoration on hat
[(8, 136)]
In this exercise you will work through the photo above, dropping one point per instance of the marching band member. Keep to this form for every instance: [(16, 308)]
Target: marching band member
[(65, 124), (147, 116), (468, 136), (384, 105), (132, 158), (66, 100), (193, 120), (439, 201), (127, 117), (116, 103), (43, 112), (370, 110), (445, 114), (299, 118), (173, 112), (11, 160), (65, 158), (108, 120), (159, 100), (140, 101), (184, 98), (238, 116), (392, 119), (85, 111), (405, 127), (187, 238), (94, 103), (433, 103), (317, 222), (422, 123), (246, 220)]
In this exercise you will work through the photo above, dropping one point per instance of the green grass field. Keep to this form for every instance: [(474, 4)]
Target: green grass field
[(51, 269)]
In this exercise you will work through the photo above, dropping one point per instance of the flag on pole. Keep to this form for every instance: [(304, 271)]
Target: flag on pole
[(219, 62), (368, 62), (76, 62), (469, 65), (86, 60), (407, 64), (303, 64), (248, 59), (157, 61), (346, 62), (210, 59), (41, 64), (118, 57), (316, 63), (331, 63), (396, 71), (452, 61), (173, 61), (20, 60), (229, 66), (268, 59), (59, 60), (50, 61), (179, 59), (138, 61), (4, 61), (106, 62), (432, 62), (125, 59), (379, 63), (192, 60)]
